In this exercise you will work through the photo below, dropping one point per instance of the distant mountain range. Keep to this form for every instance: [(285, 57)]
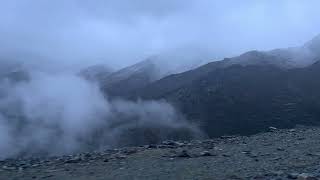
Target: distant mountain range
[(240, 95), (128, 80)]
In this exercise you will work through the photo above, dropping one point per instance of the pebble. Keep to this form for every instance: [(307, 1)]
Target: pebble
[(306, 176), (8, 168), (206, 153), (293, 176), (74, 160), (184, 153), (120, 156), (272, 128)]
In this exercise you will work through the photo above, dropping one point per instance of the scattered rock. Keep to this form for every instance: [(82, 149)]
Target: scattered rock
[(120, 156), (306, 176), (272, 129), (184, 154), (129, 151), (74, 160), (47, 176), (292, 130), (227, 137), (173, 143), (206, 153), (151, 146), (8, 168), (226, 155), (293, 176)]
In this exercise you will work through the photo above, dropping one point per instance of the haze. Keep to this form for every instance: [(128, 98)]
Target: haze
[(77, 33)]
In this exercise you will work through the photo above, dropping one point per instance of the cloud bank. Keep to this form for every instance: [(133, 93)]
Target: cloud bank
[(55, 114), (121, 32)]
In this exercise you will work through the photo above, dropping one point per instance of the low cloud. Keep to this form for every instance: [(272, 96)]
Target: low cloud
[(62, 113)]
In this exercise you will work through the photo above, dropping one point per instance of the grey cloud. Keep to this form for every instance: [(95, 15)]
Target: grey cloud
[(122, 32)]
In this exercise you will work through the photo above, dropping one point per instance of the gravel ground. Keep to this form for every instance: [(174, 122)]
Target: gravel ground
[(278, 154)]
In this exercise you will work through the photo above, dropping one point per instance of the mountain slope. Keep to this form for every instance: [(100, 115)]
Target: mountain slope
[(129, 79), (243, 99), (96, 73)]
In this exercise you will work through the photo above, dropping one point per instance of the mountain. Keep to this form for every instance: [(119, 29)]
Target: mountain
[(129, 79), (314, 45), (96, 73), (248, 93), (242, 99), (240, 95)]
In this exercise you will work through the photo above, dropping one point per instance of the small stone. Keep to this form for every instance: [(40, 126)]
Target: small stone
[(227, 137), (272, 128), (184, 153), (277, 173), (293, 176), (130, 151), (306, 176), (74, 160), (313, 154), (170, 143), (120, 156), (151, 146), (87, 155), (206, 153), (67, 169), (280, 149), (8, 168), (47, 176)]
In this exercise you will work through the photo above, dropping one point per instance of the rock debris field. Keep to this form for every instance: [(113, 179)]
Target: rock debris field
[(277, 154)]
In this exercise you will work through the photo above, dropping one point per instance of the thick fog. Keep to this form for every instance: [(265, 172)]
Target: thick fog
[(54, 114), (121, 32), (46, 108)]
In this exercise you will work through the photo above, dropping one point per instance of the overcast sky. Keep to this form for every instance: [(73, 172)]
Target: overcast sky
[(121, 32)]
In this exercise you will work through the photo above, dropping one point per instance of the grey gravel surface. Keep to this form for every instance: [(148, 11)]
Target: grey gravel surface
[(278, 154)]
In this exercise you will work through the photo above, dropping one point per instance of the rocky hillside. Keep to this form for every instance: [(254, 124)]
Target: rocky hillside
[(245, 94), (278, 154), (126, 81), (242, 99)]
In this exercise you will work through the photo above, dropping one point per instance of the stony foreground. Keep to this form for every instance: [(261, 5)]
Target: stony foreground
[(278, 154)]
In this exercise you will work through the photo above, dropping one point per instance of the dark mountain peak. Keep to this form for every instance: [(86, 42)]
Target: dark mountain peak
[(260, 58), (97, 72), (147, 67), (253, 55), (314, 45)]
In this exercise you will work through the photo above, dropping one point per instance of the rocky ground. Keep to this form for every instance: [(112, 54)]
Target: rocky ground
[(278, 154)]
